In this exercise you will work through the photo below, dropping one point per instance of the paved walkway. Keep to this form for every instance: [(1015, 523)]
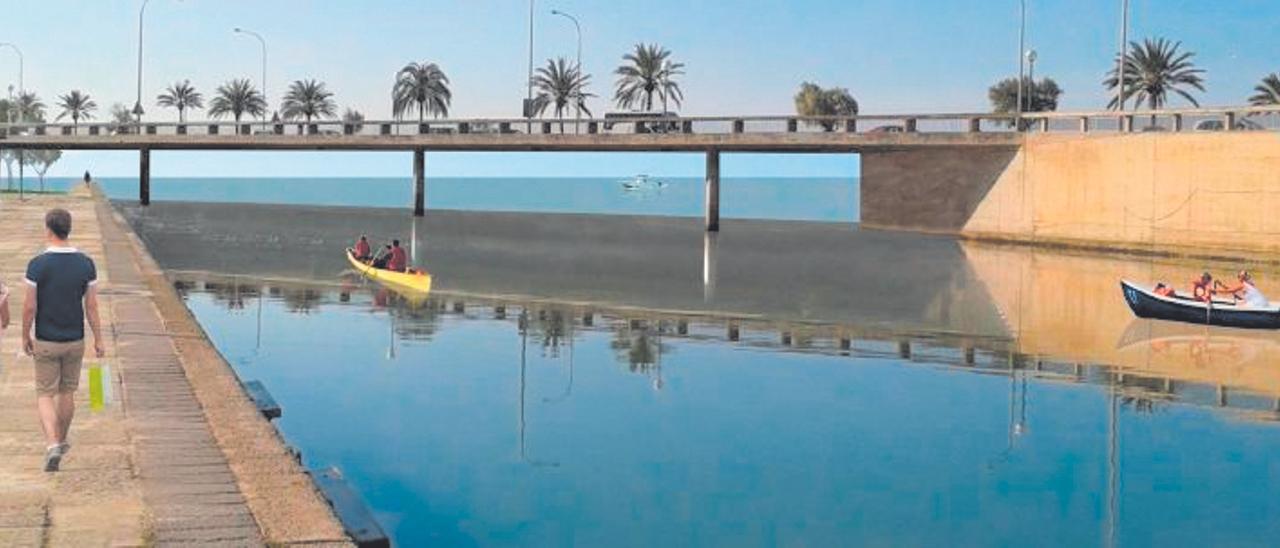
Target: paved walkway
[(147, 469), (97, 497)]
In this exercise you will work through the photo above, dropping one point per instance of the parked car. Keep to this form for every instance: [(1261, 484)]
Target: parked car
[(887, 129), (1218, 125)]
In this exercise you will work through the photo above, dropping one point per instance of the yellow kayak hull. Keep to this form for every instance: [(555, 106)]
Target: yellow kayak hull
[(415, 285)]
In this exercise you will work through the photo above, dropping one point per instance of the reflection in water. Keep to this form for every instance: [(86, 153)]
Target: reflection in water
[(1068, 306), (785, 426), (709, 259), (805, 379)]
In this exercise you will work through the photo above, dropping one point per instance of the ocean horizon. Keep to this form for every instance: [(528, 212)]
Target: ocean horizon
[(825, 199)]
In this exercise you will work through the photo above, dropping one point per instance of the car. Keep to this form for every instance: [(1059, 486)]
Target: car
[(1218, 125), (887, 129)]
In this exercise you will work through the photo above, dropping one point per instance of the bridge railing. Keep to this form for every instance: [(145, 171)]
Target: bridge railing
[(1215, 119)]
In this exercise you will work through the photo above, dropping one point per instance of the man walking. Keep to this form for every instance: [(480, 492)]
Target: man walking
[(60, 293)]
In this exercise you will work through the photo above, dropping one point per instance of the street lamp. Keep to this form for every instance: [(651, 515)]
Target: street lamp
[(1022, 48), (15, 105), (137, 106), (1124, 52), (577, 117), (528, 100), (1031, 79), (263, 43), (21, 89)]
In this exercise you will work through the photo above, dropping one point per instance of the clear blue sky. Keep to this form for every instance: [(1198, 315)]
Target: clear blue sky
[(742, 56)]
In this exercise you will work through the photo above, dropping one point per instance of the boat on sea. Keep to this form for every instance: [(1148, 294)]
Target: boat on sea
[(411, 284), (1145, 303), (642, 182)]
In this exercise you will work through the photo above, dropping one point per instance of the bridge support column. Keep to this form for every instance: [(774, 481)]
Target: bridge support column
[(144, 176), (419, 182), (713, 191)]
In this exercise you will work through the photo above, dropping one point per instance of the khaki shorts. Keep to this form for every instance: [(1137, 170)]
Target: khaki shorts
[(58, 366)]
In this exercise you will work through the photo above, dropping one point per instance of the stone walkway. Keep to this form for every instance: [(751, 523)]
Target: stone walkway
[(148, 469), (97, 497)]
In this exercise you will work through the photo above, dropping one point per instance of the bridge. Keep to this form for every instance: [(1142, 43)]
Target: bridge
[(923, 151)]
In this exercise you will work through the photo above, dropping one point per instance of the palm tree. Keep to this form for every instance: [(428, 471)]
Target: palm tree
[(561, 85), (237, 98), (648, 71), (353, 118), (77, 105), (1268, 91), (1152, 70), (182, 96), (30, 107), (424, 85), (308, 99)]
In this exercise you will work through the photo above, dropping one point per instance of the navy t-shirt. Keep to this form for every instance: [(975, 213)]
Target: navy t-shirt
[(61, 276)]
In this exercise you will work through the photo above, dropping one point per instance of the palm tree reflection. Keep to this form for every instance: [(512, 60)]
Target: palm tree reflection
[(640, 346)]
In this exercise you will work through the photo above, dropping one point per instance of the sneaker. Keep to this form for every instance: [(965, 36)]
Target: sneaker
[(52, 458), (64, 448)]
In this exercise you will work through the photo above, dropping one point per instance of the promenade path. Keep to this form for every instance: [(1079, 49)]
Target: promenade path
[(179, 456)]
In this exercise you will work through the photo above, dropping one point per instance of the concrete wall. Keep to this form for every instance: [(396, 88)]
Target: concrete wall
[(929, 189), (1192, 193)]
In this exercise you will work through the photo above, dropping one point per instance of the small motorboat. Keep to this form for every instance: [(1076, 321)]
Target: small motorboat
[(411, 284), (1145, 303), (642, 182)]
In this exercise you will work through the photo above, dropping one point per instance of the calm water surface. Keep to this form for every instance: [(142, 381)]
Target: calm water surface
[(465, 424), (607, 380), (810, 199)]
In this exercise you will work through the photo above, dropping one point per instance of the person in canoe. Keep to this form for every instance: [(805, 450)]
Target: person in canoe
[(399, 259), (1244, 291), (1162, 289), (1202, 288), (362, 250), (383, 257)]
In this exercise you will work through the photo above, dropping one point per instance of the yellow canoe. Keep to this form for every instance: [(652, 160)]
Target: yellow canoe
[(416, 284)]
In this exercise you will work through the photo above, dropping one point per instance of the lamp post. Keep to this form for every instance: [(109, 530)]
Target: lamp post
[(528, 100), (577, 116), (263, 43), (137, 106), (15, 105), (21, 90), (1031, 79), (1120, 63), (1022, 47)]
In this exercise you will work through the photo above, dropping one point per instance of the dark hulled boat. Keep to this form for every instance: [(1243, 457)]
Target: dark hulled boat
[(1146, 304)]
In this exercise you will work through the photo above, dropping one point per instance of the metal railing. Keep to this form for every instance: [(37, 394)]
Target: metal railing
[(1209, 119)]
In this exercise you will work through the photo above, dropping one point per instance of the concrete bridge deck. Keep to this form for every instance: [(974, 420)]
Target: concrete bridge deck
[(919, 171)]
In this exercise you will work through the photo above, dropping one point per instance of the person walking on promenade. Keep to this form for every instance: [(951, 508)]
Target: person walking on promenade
[(61, 292)]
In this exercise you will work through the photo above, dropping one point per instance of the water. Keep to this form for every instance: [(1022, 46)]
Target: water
[(595, 380), (812, 199)]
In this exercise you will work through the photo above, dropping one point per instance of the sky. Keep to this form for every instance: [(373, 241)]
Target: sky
[(742, 57)]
